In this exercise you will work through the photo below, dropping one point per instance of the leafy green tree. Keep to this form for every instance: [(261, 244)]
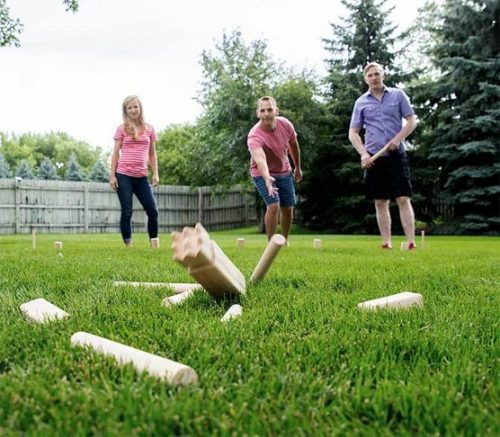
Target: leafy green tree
[(74, 170), (334, 193), (4, 167), (24, 170), (177, 149), (99, 172), (10, 27), (461, 111), (47, 170), (235, 76)]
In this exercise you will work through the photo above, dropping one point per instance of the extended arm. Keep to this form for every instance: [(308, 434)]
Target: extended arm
[(114, 162), (259, 157), (153, 162)]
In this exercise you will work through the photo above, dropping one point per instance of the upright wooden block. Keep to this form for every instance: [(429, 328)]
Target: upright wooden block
[(33, 238), (422, 239), (240, 242), (41, 311), (174, 373), (58, 245), (206, 262), (155, 243), (404, 299), (316, 243)]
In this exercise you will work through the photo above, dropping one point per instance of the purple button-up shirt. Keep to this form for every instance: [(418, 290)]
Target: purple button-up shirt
[(383, 119)]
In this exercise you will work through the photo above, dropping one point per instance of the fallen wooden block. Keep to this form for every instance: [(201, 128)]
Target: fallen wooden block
[(177, 299), (274, 245), (41, 311), (404, 299), (206, 262), (174, 373), (176, 286), (233, 312)]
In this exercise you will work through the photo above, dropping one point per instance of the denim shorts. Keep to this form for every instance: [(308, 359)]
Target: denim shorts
[(286, 191)]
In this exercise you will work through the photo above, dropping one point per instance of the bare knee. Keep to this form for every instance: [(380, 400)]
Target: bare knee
[(287, 211), (403, 201), (273, 209), (382, 204)]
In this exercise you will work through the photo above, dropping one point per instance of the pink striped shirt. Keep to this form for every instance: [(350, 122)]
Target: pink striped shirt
[(134, 154)]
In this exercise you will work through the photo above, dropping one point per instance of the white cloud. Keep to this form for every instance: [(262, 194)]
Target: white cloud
[(72, 71)]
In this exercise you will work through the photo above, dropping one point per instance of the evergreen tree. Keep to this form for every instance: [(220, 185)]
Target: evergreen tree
[(462, 112), (333, 193), (99, 172), (4, 168), (74, 171), (24, 170), (47, 171)]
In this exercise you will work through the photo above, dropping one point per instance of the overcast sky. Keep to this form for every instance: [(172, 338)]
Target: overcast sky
[(72, 71)]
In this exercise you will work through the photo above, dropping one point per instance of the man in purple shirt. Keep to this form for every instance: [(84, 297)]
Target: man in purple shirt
[(380, 112)]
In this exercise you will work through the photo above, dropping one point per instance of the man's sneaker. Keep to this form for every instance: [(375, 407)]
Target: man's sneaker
[(411, 245), (387, 246)]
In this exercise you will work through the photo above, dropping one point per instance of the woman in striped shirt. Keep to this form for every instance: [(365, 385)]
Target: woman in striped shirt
[(134, 148)]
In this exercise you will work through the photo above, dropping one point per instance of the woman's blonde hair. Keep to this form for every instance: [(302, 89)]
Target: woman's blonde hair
[(133, 128)]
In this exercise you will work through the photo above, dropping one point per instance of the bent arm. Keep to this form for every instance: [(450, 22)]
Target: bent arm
[(295, 154), (357, 143)]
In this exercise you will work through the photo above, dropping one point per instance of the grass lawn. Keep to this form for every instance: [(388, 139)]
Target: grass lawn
[(302, 360)]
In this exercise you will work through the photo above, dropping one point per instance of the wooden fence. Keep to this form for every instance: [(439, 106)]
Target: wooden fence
[(92, 207)]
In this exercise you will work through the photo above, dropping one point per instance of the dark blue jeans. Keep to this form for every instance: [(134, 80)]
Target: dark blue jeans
[(127, 186)]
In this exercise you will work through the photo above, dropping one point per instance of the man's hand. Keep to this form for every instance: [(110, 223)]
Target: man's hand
[(271, 189), (366, 160), (297, 174), (393, 144)]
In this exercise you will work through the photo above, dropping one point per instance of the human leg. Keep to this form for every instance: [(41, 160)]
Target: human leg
[(286, 192), (272, 206), (286, 220), (407, 217), (125, 191), (145, 195), (384, 220)]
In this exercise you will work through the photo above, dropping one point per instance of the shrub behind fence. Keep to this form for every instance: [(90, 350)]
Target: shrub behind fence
[(64, 207)]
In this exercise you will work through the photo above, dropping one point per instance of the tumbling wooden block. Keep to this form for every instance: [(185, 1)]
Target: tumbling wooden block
[(176, 286), (58, 245), (174, 373), (41, 311), (274, 245), (240, 242), (404, 299), (206, 262), (316, 243), (155, 243), (233, 312), (177, 299)]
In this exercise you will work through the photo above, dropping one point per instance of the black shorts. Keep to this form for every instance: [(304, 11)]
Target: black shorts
[(389, 177)]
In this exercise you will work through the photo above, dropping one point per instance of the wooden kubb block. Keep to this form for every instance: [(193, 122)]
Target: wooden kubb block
[(173, 372), (41, 311), (206, 262), (404, 299)]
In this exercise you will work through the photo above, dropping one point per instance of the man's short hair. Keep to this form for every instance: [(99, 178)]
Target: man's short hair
[(371, 65), (267, 99)]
